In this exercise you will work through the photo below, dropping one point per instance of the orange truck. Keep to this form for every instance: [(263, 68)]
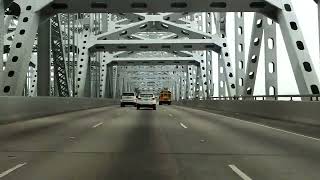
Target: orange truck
[(165, 97)]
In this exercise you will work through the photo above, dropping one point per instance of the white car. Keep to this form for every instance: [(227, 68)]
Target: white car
[(128, 98), (147, 100)]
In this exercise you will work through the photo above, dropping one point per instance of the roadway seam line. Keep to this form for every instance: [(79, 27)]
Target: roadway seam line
[(184, 126), (281, 130), (239, 172), (5, 173), (97, 125)]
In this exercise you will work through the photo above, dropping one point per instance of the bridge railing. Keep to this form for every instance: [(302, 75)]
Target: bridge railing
[(268, 98)]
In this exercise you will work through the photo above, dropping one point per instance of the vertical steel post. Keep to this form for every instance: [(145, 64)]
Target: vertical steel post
[(43, 83), (221, 77), (270, 45), (209, 57), (254, 54), (69, 43), (2, 33), (239, 52), (319, 20), (73, 55)]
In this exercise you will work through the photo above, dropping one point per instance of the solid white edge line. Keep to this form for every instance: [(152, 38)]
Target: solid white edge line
[(269, 127), (281, 130), (184, 126), (97, 125), (239, 172), (5, 173)]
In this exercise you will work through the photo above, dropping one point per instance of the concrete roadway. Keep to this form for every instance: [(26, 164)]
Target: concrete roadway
[(172, 143)]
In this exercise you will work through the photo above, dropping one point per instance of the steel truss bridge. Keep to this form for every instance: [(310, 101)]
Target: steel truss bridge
[(66, 55), (85, 52)]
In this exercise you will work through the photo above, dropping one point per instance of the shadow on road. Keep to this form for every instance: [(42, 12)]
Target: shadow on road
[(141, 157)]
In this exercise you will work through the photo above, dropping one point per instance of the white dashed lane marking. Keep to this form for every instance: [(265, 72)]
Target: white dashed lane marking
[(5, 173), (184, 126), (239, 172), (97, 125)]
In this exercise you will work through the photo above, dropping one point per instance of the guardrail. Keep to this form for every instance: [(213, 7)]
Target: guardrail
[(275, 97)]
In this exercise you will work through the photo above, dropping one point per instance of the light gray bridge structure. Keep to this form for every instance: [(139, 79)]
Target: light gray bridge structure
[(65, 64)]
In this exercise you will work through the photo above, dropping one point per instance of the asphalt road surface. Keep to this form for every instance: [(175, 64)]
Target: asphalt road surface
[(172, 143)]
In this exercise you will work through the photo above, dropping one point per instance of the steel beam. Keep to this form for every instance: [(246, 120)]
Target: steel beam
[(14, 76), (318, 4), (83, 64), (209, 56), (254, 54), (301, 63), (198, 90), (182, 30), (105, 61), (155, 61), (224, 56), (271, 61), (200, 20), (2, 33), (221, 77), (240, 68), (156, 45), (58, 55), (124, 31), (161, 6), (43, 83), (33, 77)]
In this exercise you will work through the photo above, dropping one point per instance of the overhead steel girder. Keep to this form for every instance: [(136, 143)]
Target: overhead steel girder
[(145, 74), (176, 17), (125, 31), (158, 22), (183, 30), (76, 6), (156, 45), (145, 81), (129, 18), (141, 77), (154, 69), (154, 61)]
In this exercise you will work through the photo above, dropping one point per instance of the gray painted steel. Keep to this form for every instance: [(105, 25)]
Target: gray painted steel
[(44, 63)]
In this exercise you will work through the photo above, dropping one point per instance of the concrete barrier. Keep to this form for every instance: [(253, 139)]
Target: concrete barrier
[(23, 108), (300, 112)]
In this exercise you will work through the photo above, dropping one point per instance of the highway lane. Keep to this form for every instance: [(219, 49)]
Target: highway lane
[(170, 143)]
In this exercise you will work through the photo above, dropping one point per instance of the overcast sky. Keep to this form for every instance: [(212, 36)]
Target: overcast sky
[(307, 14)]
